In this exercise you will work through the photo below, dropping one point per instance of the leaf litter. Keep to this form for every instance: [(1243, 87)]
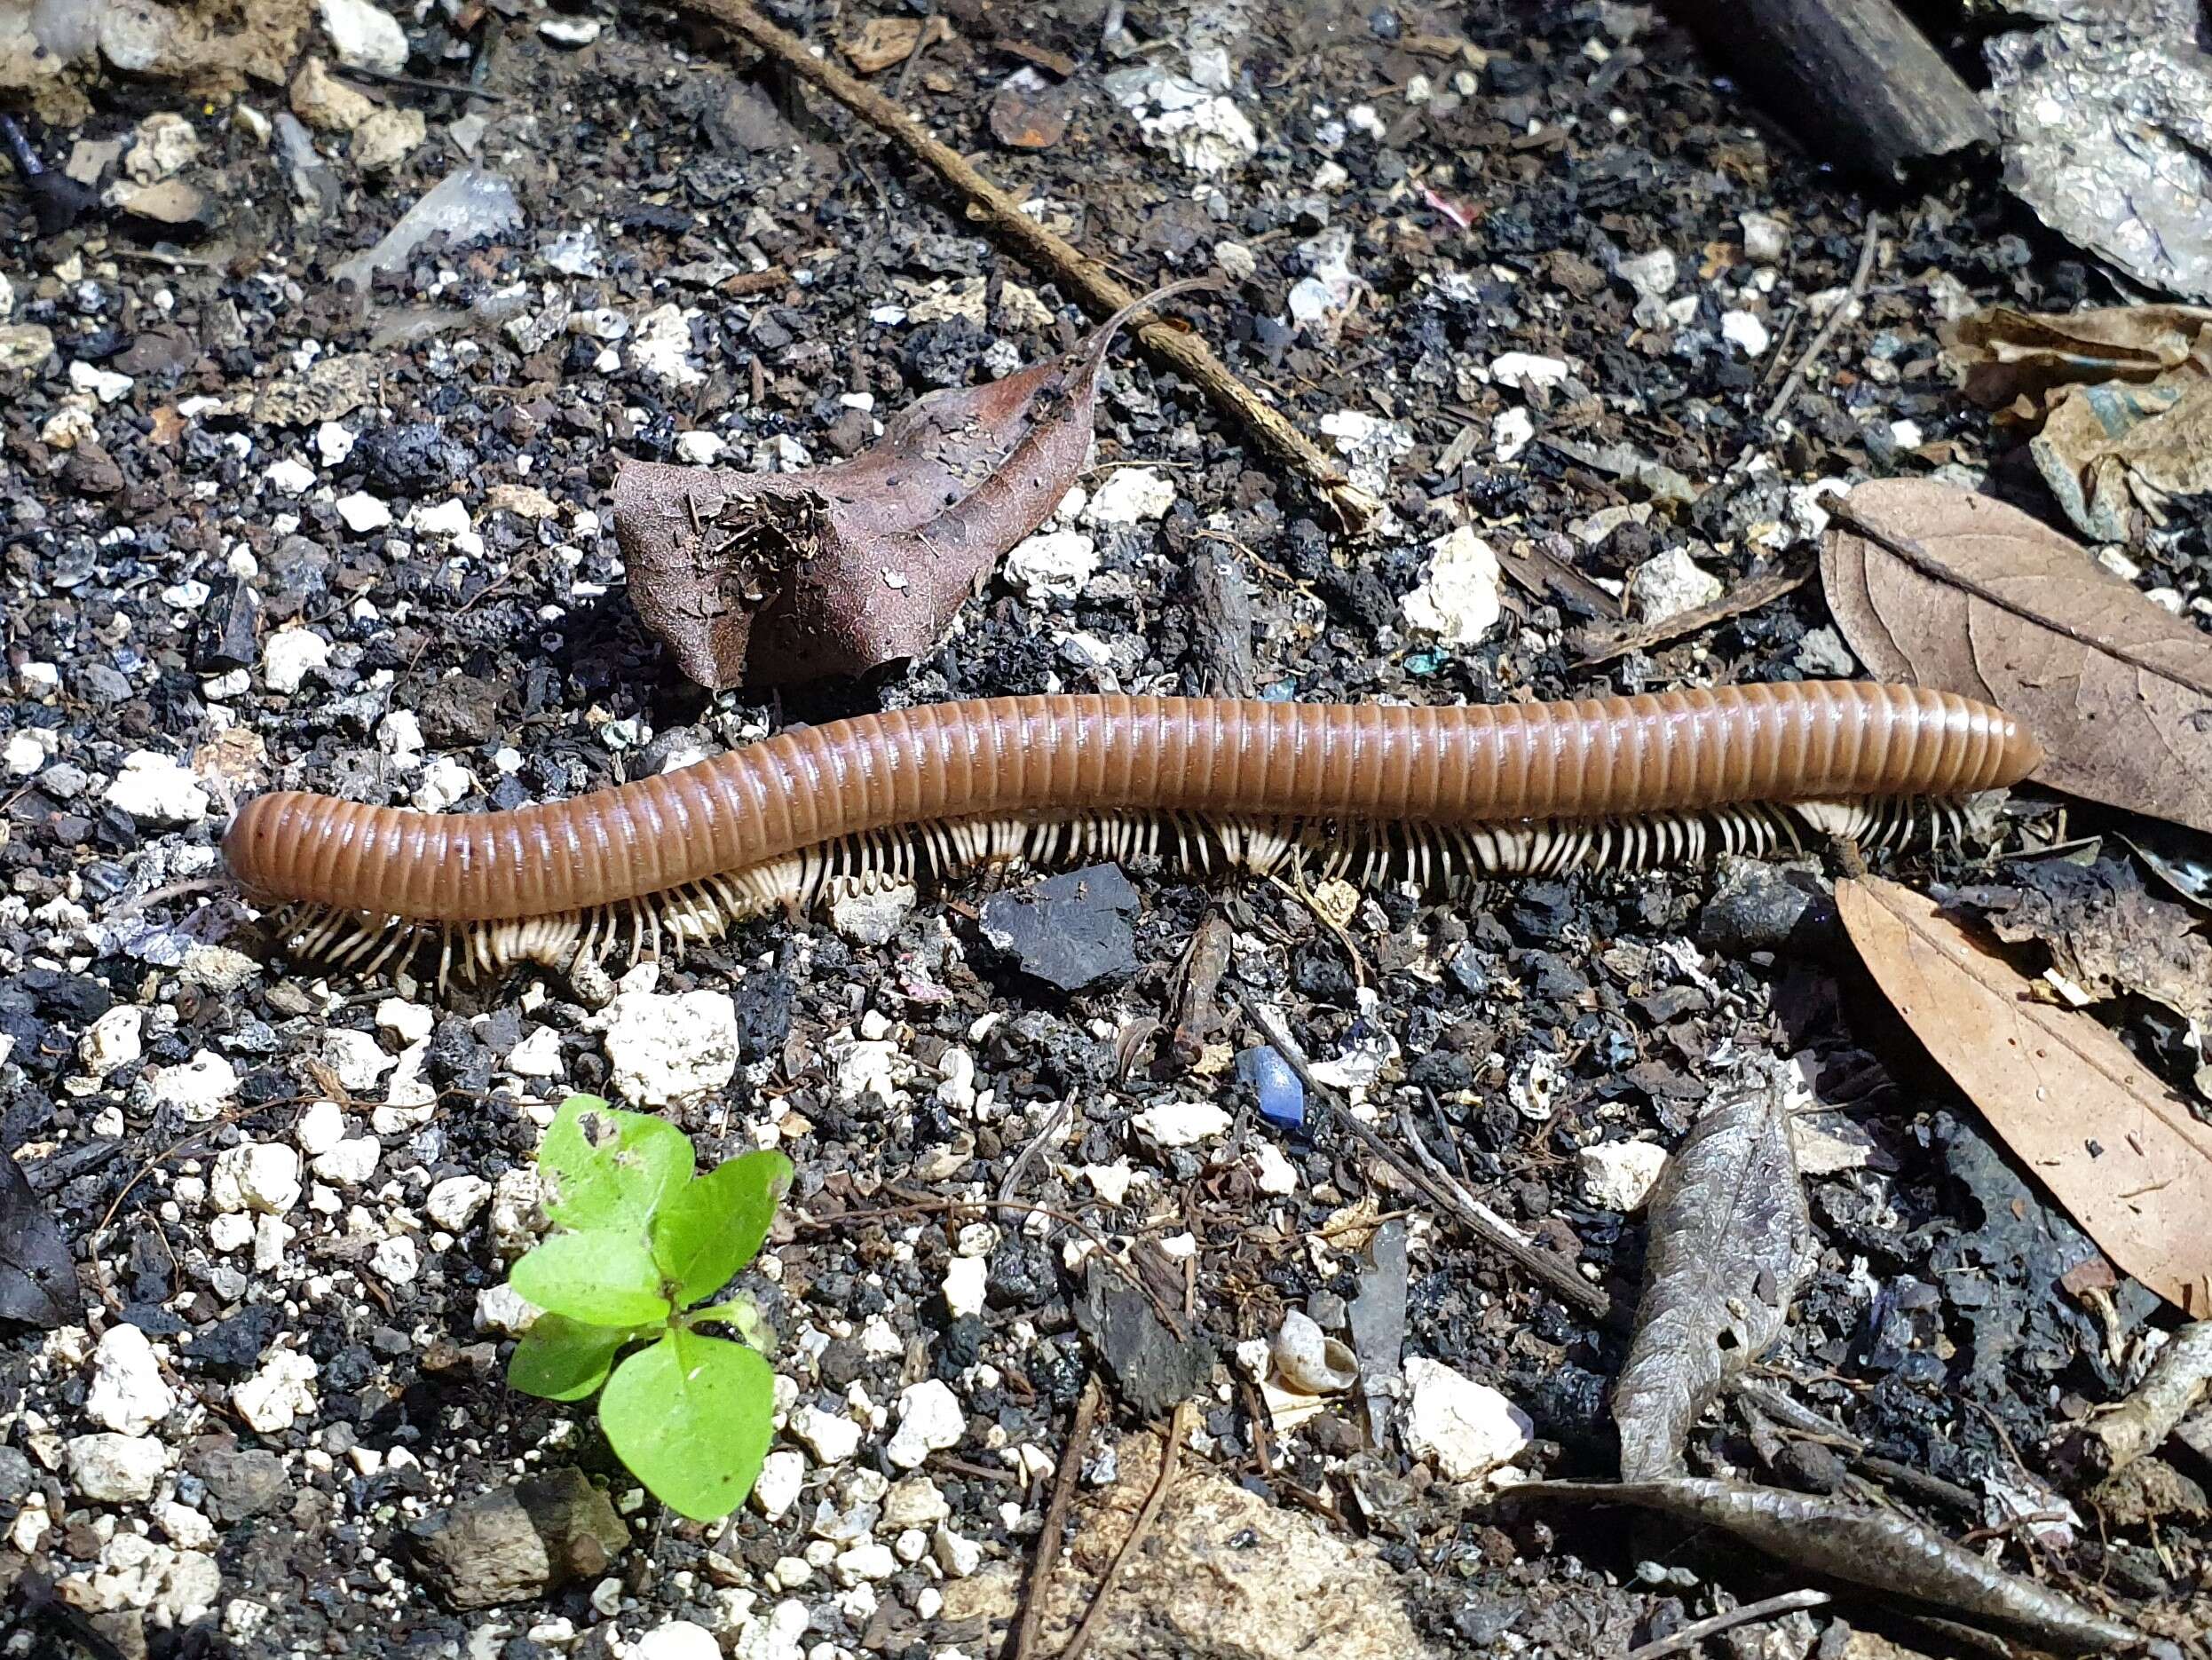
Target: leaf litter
[(1730, 1242), (772, 579), (1936, 586), (2127, 1158)]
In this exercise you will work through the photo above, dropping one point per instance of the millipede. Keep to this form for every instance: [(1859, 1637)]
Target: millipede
[(1434, 794)]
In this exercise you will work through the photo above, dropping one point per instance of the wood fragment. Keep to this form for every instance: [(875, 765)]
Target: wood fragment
[(1079, 273), (1049, 1541), (2179, 1379), (1855, 81), (1749, 1614)]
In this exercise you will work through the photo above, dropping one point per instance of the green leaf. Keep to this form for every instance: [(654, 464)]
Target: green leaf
[(599, 1279), (602, 1168), (744, 1316), (710, 1228), (692, 1417), (561, 1359)]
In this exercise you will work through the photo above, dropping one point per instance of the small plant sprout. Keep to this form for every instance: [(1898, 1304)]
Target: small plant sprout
[(643, 1241)]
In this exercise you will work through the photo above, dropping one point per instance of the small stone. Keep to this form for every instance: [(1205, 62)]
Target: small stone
[(929, 1420), (663, 1049), (696, 448), (291, 478), (126, 1392), (333, 443), (572, 32), (113, 1041), (1765, 238), (364, 36), (1468, 1428), (197, 1089), (163, 144), (363, 512), (279, 1394), (1272, 1172), (158, 789), (957, 1556), (500, 1307), (325, 103), (1651, 275), (1670, 584), (453, 1204), (661, 347), (1182, 1123), (782, 1475), (537, 1056), (25, 346), (1525, 368), (678, 1640), (387, 138), (831, 1436), (1131, 495), (1458, 601), (289, 656), (448, 518), (1054, 564), (320, 1128), (1619, 1175), (867, 1561), (874, 916), (258, 1176), (173, 210), (396, 1260), (115, 1469), (1072, 932), (1745, 328), (516, 1542), (965, 1279), (350, 1164), (355, 1058)]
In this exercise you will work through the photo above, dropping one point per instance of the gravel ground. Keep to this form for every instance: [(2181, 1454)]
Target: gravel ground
[(1534, 272)]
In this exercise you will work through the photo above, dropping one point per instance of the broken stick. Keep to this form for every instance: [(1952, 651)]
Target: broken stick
[(1075, 270)]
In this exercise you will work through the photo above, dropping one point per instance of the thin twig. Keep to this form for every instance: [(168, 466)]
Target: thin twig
[(1833, 323), (1055, 1520), (1559, 1278), (1750, 1613), (1087, 278), (416, 84), (913, 58), (1179, 1429)]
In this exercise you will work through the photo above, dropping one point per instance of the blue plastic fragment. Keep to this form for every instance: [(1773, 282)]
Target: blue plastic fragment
[(1282, 1097)]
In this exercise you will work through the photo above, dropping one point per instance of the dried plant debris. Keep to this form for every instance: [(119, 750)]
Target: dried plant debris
[(2126, 1156), (2119, 401), (1730, 1242), (2107, 936), (2179, 1380), (1938, 587), (38, 1278), (770, 578), (1892, 1555)]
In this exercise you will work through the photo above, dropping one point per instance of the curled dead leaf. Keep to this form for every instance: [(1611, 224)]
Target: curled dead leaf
[(1888, 1553), (2006, 357), (766, 579), (2123, 1155), (1934, 586), (1730, 1242)]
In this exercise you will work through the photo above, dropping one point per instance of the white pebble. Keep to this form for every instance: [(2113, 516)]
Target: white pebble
[(258, 1177), (156, 788), (113, 1469), (1468, 1428), (965, 1278), (126, 1393), (929, 1420), (1618, 1175), (453, 1204), (289, 656), (281, 1392)]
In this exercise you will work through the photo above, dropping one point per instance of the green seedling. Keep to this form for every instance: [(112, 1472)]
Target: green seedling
[(643, 1242)]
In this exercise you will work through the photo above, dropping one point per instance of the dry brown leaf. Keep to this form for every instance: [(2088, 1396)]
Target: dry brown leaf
[(2126, 1157), (1729, 1245), (2004, 356), (1938, 587), (768, 579), (881, 42)]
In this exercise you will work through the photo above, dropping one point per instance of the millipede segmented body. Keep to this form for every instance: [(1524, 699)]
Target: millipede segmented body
[(1222, 784)]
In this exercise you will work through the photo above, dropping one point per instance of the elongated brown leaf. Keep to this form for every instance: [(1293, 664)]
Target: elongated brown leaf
[(2126, 1157), (1729, 1245), (766, 579), (1888, 1553), (1939, 586)]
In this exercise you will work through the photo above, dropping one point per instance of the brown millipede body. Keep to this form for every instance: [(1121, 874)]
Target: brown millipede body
[(1362, 790)]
